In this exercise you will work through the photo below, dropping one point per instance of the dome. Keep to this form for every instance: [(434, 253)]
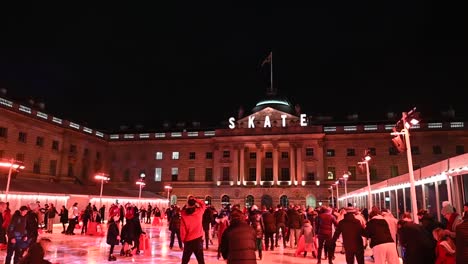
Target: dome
[(277, 103)]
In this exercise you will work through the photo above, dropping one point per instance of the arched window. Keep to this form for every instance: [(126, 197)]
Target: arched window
[(267, 201), (284, 201), (249, 201), (173, 199), (208, 200), (225, 200)]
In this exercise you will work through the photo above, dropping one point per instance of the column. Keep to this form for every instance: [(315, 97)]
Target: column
[(275, 163), (292, 164), (437, 200), (259, 164), (235, 165), (397, 215), (321, 170), (242, 165), (216, 164), (299, 172), (423, 196)]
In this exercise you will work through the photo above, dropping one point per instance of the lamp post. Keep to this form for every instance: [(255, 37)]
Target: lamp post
[(333, 199), (168, 188), (337, 194), (407, 120), (11, 164), (141, 184), (367, 158), (345, 178), (102, 177)]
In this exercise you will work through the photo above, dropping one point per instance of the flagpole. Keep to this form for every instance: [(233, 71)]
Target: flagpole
[(271, 72)]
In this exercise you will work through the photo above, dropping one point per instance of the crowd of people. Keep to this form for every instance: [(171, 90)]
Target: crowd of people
[(244, 233)]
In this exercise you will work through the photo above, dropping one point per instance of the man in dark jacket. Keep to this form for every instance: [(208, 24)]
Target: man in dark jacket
[(461, 232), (382, 244), (281, 219), (270, 228), (352, 232), (324, 229), (419, 248), (206, 222), (295, 221), (17, 235), (238, 241)]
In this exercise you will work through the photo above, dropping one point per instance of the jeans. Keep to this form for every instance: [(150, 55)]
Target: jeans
[(193, 246)]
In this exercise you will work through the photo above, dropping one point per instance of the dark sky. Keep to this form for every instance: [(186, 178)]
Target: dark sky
[(111, 65)]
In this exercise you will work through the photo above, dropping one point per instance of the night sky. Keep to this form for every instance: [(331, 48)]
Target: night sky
[(112, 65)]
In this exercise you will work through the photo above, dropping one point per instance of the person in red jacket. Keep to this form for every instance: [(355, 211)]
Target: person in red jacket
[(191, 229)]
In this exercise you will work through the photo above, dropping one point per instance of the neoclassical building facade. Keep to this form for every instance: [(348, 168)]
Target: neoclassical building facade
[(272, 155)]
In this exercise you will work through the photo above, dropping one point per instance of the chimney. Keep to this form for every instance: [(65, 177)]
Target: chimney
[(41, 105)]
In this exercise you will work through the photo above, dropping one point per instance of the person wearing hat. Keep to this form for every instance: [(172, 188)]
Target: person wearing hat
[(352, 231), (452, 217), (191, 229), (238, 242)]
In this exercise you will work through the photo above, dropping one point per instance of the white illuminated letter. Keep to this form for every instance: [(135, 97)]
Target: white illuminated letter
[(231, 123), (303, 120), (267, 122), (283, 122), (251, 123)]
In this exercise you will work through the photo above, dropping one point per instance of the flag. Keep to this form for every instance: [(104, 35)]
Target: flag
[(267, 59)]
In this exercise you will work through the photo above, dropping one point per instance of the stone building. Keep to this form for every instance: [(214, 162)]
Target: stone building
[(273, 155)]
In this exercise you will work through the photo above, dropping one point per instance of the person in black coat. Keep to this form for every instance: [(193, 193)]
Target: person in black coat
[(461, 244), (419, 248), (113, 236), (352, 232), (238, 241), (63, 217)]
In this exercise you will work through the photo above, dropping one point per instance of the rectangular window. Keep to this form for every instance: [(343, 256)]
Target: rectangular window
[(209, 155), (175, 155), (37, 166), (394, 171), (157, 174), (460, 149), (310, 176), (415, 150), (350, 152), (3, 132), (268, 174), (330, 153), (309, 152), (226, 154), (284, 155), (372, 151), (70, 172), (352, 170), (191, 174), (20, 157), (40, 141), (226, 174), (175, 173), (373, 173), (392, 151), (285, 176), (22, 137), (252, 155), (252, 174), (53, 167), (73, 149), (436, 150), (192, 155), (208, 174), (159, 155), (331, 174), (268, 155)]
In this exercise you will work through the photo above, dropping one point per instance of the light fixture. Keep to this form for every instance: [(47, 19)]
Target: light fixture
[(317, 183)]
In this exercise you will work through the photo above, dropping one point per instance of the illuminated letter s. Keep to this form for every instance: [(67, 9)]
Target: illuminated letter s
[(231, 123)]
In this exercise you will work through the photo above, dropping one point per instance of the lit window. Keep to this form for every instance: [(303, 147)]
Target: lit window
[(175, 174), (159, 155), (157, 174), (175, 155), (330, 153)]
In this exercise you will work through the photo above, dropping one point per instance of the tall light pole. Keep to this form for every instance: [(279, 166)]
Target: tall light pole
[(345, 178), (102, 177), (141, 184), (407, 120), (337, 194), (367, 158), (168, 188), (12, 165)]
